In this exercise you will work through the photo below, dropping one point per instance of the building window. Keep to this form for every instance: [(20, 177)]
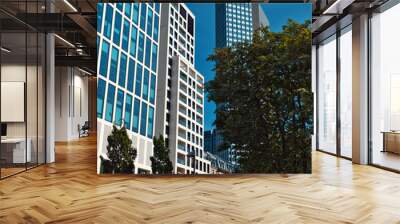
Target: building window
[(346, 92), (182, 11), (122, 70), (154, 57), (118, 107), (385, 88), (120, 6), (110, 103), (145, 93), (133, 41), (141, 47), (114, 64), (155, 33), (135, 14), (136, 111), (149, 30), (152, 88), (191, 26), (128, 9), (157, 7), (327, 98), (117, 28), (148, 52), (105, 48), (131, 75), (150, 122), (128, 111), (143, 119), (138, 87), (108, 21), (143, 12), (125, 35), (101, 91), (100, 7)]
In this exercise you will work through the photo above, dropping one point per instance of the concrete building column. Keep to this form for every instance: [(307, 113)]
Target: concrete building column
[(50, 91), (360, 90), (50, 98)]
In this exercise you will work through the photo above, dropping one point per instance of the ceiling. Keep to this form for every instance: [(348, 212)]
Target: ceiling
[(73, 22), (327, 13)]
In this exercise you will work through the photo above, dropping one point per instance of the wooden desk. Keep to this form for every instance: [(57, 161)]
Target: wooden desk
[(391, 141), (13, 150)]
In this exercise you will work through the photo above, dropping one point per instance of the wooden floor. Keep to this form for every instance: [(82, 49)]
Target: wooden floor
[(69, 191)]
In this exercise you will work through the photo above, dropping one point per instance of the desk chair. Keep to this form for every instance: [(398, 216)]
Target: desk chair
[(84, 130)]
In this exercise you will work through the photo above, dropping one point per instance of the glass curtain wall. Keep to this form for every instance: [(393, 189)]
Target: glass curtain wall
[(385, 88), (334, 80), (22, 88), (345, 58), (326, 82)]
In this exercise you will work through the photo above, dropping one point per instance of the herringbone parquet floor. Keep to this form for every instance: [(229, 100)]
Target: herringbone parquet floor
[(69, 191)]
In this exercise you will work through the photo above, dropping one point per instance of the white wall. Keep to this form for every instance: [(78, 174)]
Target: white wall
[(33, 127), (71, 103)]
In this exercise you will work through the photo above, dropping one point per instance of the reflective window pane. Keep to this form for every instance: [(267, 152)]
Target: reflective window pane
[(143, 119), (128, 111), (136, 112), (346, 93), (327, 98), (110, 103), (101, 92)]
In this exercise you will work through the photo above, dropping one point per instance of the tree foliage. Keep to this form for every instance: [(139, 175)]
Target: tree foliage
[(264, 101), (120, 151), (160, 162)]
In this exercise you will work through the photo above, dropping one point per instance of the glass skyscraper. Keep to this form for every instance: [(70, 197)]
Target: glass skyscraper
[(221, 160), (235, 22), (127, 40)]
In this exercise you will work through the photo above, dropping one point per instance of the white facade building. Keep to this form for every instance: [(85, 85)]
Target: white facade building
[(177, 38), (186, 138)]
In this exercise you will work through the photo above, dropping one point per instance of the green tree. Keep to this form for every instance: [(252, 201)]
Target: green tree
[(264, 101), (160, 162), (120, 151)]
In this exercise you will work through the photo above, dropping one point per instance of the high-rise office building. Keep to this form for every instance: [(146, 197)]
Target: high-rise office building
[(180, 97), (128, 35), (236, 22), (186, 120), (221, 160), (143, 52)]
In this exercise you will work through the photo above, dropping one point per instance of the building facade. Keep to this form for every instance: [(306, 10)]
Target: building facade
[(180, 97), (177, 38), (187, 119), (236, 22), (142, 49), (221, 160), (128, 35)]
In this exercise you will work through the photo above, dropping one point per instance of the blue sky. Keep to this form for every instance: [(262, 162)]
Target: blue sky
[(277, 13)]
